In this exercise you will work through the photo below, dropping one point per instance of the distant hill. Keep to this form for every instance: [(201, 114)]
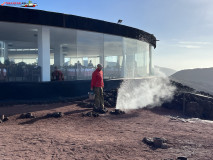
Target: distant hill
[(200, 79), (167, 71)]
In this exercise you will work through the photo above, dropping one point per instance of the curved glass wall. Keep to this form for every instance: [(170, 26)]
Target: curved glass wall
[(75, 52)]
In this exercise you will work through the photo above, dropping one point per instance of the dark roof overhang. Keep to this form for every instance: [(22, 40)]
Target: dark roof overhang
[(40, 17)]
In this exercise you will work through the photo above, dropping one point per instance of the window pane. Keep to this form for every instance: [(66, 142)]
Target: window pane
[(63, 52), (142, 59), (89, 52), (113, 57), (130, 48), (19, 52)]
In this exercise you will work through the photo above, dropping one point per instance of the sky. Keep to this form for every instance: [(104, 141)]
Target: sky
[(184, 28)]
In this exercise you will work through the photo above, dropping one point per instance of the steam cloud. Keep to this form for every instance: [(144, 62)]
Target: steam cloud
[(135, 94)]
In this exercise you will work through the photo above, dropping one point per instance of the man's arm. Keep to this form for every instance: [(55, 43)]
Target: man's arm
[(93, 80)]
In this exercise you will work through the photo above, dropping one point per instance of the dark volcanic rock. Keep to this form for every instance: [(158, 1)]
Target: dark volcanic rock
[(207, 109), (156, 142), (106, 103), (148, 141), (55, 115), (27, 115), (117, 112), (191, 102), (100, 111), (90, 114), (110, 98), (5, 119), (181, 158), (193, 109)]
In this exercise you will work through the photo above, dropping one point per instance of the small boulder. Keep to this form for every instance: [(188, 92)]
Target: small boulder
[(26, 115), (117, 112), (164, 146), (5, 119), (156, 142), (148, 141), (181, 158), (55, 115)]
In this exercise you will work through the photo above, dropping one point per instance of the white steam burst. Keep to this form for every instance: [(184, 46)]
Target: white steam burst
[(135, 94)]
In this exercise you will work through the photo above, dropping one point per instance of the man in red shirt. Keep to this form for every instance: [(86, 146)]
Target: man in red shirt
[(57, 75), (97, 84)]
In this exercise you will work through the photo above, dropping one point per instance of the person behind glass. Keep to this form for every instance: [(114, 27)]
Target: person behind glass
[(97, 85), (78, 65), (90, 65), (57, 75)]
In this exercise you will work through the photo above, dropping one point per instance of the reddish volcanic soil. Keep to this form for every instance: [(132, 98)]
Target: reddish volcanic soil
[(106, 137)]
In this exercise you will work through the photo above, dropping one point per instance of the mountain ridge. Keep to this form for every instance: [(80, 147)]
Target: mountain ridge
[(200, 79)]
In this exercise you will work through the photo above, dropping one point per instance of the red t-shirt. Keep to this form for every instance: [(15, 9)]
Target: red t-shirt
[(57, 75), (97, 79)]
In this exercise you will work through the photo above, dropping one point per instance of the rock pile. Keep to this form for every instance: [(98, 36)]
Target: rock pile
[(54, 115), (192, 103), (117, 112), (4, 119), (27, 115), (156, 142), (110, 98)]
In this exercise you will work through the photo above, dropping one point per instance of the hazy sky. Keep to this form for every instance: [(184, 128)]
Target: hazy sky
[(184, 27)]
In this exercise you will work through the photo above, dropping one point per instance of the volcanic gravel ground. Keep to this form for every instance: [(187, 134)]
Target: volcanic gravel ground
[(105, 137)]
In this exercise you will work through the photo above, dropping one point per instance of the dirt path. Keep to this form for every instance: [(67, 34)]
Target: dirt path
[(105, 137)]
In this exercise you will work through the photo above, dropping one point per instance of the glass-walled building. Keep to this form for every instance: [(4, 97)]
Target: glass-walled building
[(37, 41)]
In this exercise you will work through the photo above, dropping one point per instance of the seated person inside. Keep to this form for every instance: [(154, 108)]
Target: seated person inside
[(57, 75)]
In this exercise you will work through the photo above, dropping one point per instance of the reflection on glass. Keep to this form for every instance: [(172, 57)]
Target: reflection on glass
[(18, 52), (113, 57), (63, 51), (142, 59), (130, 48), (89, 53), (1, 52), (151, 67)]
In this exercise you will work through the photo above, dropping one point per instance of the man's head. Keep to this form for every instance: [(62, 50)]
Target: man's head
[(99, 66), (55, 67)]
